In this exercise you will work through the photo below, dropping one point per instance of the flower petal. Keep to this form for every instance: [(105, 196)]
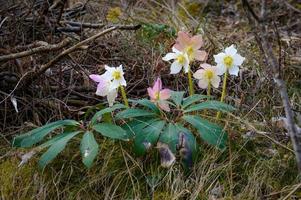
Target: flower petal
[(199, 74), (96, 78), (109, 69), (186, 66), (165, 94), (238, 59), (203, 83), (151, 93), (200, 55), (112, 96), (205, 65), (178, 46), (169, 56), (183, 39), (107, 76), (221, 68), (231, 50), (158, 85), (175, 68), (219, 58), (197, 41), (234, 70), (114, 84), (102, 89), (164, 105), (218, 70), (122, 81), (215, 81)]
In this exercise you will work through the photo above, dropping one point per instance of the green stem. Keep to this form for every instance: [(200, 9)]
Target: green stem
[(209, 90), (223, 93), (190, 82), (123, 94)]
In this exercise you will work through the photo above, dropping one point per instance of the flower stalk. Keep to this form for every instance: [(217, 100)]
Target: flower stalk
[(190, 82), (123, 94), (223, 93), (209, 90)]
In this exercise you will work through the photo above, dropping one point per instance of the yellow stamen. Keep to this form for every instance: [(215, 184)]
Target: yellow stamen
[(181, 59), (189, 50), (209, 74), (228, 61), (157, 95), (116, 75)]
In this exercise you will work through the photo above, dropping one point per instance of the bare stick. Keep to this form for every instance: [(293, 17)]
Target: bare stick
[(46, 48), (270, 57)]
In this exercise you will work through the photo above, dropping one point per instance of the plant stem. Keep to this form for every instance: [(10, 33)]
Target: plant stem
[(209, 90), (223, 93), (123, 94), (191, 89)]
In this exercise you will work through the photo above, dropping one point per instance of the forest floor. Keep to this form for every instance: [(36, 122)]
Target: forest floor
[(259, 162)]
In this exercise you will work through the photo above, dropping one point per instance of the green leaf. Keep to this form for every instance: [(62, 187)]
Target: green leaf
[(111, 131), (147, 137), (88, 149), (147, 103), (211, 133), (135, 126), (56, 148), (54, 139), (177, 97), (170, 136), (36, 135), (215, 105), (106, 110), (133, 112), (193, 99)]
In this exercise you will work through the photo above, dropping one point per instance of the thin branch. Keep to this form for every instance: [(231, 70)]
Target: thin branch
[(46, 48)]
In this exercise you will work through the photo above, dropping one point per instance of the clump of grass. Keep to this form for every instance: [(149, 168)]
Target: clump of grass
[(18, 182)]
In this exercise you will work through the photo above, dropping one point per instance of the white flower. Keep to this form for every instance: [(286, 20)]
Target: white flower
[(180, 60), (209, 75), (104, 87), (229, 60), (115, 74)]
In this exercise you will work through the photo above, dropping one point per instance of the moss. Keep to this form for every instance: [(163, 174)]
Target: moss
[(16, 182)]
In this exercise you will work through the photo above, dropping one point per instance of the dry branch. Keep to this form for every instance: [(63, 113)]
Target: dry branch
[(260, 30), (46, 48)]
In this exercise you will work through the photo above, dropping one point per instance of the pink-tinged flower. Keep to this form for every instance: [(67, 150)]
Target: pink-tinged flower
[(209, 75), (104, 88), (191, 46), (159, 95)]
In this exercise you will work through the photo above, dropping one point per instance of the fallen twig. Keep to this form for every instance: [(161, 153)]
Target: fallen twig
[(44, 48)]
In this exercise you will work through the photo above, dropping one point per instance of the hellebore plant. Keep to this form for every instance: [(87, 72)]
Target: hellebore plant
[(228, 62), (186, 45), (168, 122), (146, 125)]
